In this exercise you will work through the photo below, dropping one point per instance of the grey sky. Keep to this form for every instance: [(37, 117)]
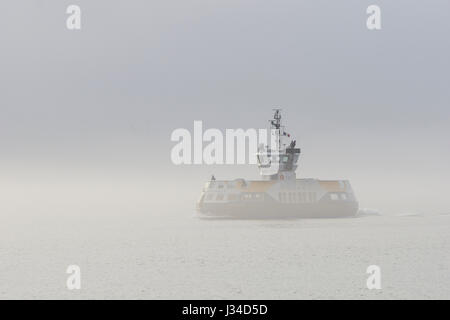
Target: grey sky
[(370, 106)]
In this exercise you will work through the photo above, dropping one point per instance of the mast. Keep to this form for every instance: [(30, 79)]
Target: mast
[(276, 123), (278, 163)]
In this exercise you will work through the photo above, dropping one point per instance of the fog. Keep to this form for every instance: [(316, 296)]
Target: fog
[(96, 107), (86, 118)]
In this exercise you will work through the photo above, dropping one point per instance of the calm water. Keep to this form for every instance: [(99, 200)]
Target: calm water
[(178, 256)]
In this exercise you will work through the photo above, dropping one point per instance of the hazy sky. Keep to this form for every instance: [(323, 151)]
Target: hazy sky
[(368, 106)]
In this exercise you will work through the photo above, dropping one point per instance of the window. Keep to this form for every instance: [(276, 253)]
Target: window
[(246, 196), (334, 196), (343, 196)]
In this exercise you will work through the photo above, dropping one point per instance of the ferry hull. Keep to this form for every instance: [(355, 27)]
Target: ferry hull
[(277, 210)]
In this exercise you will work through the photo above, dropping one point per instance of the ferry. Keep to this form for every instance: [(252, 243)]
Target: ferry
[(279, 194)]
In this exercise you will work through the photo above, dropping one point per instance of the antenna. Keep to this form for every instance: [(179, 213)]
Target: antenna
[(276, 123)]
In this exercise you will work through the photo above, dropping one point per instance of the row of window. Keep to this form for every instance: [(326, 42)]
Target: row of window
[(306, 197), (233, 196), (338, 196), (286, 197), (297, 197)]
